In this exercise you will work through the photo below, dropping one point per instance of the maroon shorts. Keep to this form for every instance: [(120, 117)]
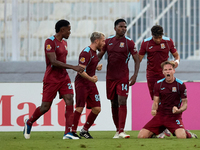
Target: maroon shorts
[(87, 95), (117, 87), (50, 90), (159, 123), (151, 81)]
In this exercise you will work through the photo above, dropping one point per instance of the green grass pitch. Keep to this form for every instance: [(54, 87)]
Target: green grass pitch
[(102, 141)]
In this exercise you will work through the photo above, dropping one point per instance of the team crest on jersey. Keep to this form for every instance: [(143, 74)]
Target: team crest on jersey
[(82, 59), (65, 47), (121, 44), (174, 89), (162, 45), (48, 47)]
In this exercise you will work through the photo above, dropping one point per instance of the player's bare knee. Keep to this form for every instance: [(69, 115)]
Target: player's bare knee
[(96, 110), (181, 136)]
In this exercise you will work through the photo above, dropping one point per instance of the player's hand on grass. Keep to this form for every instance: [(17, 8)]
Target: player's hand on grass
[(153, 112), (94, 79), (99, 67)]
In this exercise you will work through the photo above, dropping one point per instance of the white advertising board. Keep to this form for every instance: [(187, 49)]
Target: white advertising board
[(19, 100)]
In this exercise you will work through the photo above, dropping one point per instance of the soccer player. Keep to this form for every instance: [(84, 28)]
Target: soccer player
[(85, 87), (119, 49), (157, 48), (56, 78), (170, 100)]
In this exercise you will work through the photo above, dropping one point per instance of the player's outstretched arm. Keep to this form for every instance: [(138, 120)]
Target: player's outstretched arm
[(55, 62)]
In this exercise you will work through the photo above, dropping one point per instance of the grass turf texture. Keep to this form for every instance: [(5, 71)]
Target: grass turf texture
[(102, 141)]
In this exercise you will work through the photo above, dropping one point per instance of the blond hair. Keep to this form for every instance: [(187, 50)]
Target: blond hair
[(96, 35), (167, 62)]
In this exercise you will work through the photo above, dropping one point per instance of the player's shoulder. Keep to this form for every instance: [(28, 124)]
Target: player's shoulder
[(179, 81), (128, 38), (148, 39), (86, 49), (166, 38), (50, 40), (110, 37), (160, 81)]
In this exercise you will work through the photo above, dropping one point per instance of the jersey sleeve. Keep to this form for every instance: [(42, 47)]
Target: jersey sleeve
[(84, 58), (172, 47), (142, 50), (49, 46), (132, 48), (183, 91), (156, 89)]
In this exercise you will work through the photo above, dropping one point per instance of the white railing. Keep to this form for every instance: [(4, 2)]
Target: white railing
[(25, 24)]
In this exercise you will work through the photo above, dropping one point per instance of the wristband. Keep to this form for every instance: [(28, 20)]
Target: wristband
[(177, 61)]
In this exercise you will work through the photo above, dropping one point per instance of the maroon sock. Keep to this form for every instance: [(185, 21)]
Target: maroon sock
[(75, 120), (122, 117), (115, 117), (188, 135), (68, 118), (90, 120), (35, 116)]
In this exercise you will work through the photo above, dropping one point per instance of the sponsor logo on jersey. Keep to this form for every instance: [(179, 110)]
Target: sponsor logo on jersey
[(110, 44), (82, 59), (150, 47), (174, 89), (121, 44), (162, 88), (162, 46), (48, 47)]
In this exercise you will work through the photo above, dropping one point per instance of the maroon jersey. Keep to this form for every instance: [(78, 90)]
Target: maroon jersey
[(88, 58), (156, 54), (170, 95), (55, 74), (119, 51)]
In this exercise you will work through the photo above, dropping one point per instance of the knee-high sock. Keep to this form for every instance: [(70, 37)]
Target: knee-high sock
[(90, 120), (122, 117), (115, 117), (75, 120), (68, 118), (35, 116)]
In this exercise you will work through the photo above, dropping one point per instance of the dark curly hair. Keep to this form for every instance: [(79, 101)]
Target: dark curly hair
[(157, 30), (118, 21), (60, 24)]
